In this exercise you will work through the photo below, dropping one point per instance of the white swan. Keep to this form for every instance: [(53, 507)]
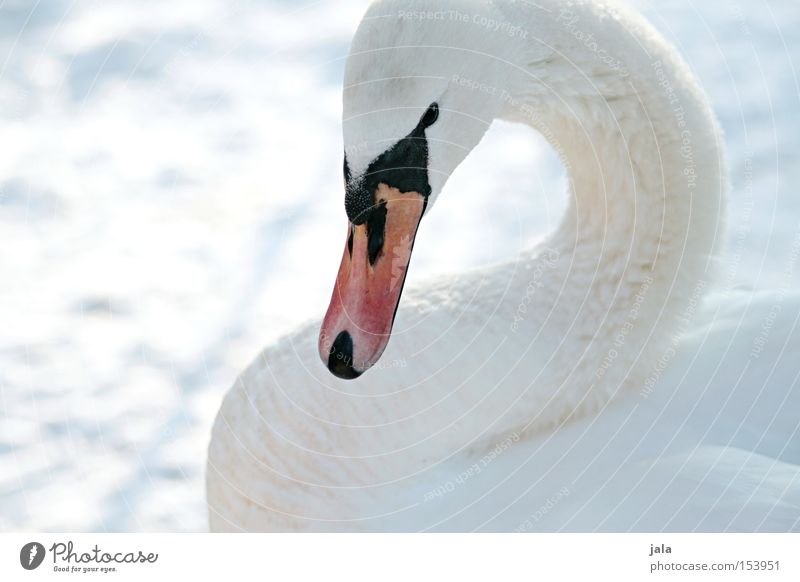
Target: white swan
[(533, 394)]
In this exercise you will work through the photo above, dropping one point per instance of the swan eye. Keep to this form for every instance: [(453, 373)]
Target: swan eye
[(431, 115), (350, 239), (346, 170)]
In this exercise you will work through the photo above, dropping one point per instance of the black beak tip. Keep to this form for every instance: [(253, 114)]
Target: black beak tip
[(340, 360)]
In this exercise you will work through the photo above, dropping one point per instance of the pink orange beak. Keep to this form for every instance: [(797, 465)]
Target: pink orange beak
[(358, 324)]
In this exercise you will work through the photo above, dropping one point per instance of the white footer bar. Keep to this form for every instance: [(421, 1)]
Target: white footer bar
[(401, 557)]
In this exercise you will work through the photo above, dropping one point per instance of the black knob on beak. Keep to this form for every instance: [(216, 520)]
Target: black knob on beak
[(340, 360)]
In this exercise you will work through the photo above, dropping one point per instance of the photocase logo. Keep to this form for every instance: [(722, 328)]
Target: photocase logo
[(31, 555)]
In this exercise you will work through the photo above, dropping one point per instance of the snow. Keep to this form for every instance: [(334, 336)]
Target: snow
[(169, 194)]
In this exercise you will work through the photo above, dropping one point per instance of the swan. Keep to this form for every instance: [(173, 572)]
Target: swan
[(543, 393)]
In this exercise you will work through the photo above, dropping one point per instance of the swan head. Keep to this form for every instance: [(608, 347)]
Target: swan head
[(419, 94)]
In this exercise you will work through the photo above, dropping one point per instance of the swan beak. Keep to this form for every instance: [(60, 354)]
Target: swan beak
[(359, 321)]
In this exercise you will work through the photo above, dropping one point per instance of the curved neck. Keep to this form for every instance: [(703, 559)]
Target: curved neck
[(594, 308), (489, 355), (643, 155)]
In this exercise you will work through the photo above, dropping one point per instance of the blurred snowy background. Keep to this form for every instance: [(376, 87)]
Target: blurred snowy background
[(170, 202)]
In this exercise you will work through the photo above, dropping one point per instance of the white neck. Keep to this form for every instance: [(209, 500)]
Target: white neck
[(593, 310), (553, 335)]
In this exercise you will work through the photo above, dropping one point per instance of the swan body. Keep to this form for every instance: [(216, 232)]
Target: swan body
[(500, 386)]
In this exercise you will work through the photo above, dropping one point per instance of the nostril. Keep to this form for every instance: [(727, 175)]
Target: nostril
[(376, 227), (340, 360)]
